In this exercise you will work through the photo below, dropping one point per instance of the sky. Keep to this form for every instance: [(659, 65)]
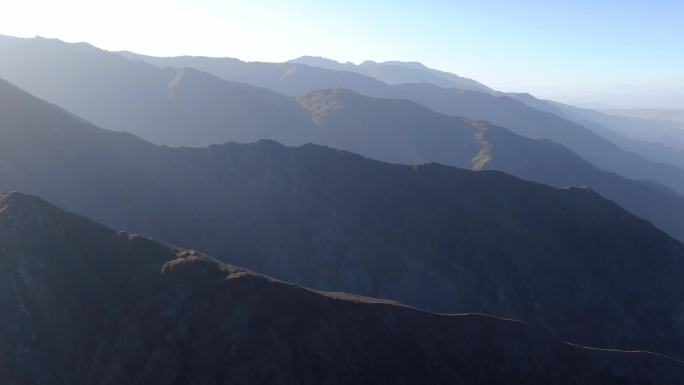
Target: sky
[(547, 47)]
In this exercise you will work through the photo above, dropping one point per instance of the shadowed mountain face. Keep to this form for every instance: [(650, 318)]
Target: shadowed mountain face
[(86, 305), (432, 236), (396, 72), (179, 107), (499, 109)]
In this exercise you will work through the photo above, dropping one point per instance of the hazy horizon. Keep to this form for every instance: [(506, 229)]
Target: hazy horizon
[(581, 52)]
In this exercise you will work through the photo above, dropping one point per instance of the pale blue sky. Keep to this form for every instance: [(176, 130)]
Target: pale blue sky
[(537, 45)]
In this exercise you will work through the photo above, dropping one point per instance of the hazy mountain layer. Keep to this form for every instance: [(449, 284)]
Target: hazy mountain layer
[(189, 108), (432, 236), (179, 107), (400, 131), (499, 109), (396, 72), (659, 141), (661, 115)]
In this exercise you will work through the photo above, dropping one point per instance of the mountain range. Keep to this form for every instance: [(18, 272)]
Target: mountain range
[(180, 107), (675, 116), (435, 237), (128, 100), (497, 108), (83, 304), (401, 131), (372, 223), (659, 141), (656, 135), (396, 72), (186, 107)]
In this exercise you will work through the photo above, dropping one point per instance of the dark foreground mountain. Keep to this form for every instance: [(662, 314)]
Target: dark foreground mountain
[(86, 305), (431, 236), (400, 131)]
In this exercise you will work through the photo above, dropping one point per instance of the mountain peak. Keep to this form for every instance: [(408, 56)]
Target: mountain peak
[(397, 63), (323, 62), (20, 201), (313, 58), (21, 212), (397, 72)]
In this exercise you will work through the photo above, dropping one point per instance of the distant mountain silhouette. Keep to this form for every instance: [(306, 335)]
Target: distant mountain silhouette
[(659, 115), (179, 107), (655, 140), (659, 141), (432, 236), (86, 305), (499, 109), (396, 72)]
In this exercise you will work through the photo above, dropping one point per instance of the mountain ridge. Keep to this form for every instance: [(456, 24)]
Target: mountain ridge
[(396, 72), (401, 131), (136, 311), (200, 110), (432, 236), (179, 107), (124, 113), (496, 108), (657, 141)]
